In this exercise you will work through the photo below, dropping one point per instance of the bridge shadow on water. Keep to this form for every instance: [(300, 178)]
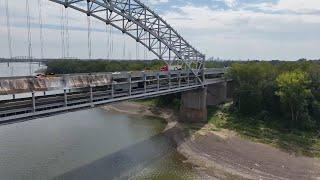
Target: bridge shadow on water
[(125, 162)]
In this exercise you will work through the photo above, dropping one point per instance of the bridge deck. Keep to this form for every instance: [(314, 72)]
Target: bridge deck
[(123, 86)]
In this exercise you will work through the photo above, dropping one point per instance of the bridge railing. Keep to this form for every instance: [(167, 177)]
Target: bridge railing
[(122, 86), (27, 84)]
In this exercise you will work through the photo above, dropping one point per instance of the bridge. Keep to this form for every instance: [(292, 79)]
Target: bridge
[(28, 97)]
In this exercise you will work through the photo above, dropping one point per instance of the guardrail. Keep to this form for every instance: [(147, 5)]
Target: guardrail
[(24, 84), (121, 87)]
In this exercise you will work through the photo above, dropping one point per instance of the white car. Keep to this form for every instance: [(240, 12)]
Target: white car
[(116, 73)]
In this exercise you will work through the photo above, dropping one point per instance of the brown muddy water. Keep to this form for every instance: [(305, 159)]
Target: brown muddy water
[(90, 144)]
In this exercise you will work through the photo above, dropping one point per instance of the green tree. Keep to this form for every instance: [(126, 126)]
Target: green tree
[(254, 86), (314, 73), (294, 94), (79, 66)]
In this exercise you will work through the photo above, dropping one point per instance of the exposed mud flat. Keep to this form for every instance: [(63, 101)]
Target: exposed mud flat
[(225, 155)]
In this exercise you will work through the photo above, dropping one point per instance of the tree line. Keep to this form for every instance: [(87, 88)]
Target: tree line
[(288, 91), (80, 66)]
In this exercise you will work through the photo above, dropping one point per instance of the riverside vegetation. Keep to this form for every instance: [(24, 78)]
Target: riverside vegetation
[(275, 102), (278, 104), (79, 66)]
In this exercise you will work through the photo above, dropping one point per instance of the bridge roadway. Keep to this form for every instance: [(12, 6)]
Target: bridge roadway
[(134, 87)]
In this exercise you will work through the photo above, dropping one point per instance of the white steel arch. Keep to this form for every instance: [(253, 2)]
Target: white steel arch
[(138, 21)]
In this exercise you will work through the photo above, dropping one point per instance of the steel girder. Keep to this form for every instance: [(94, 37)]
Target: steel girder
[(142, 24)]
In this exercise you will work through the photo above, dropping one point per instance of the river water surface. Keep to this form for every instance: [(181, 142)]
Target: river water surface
[(90, 144), (19, 69)]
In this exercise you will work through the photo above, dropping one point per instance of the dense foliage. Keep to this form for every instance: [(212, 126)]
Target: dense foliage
[(289, 90), (79, 66)]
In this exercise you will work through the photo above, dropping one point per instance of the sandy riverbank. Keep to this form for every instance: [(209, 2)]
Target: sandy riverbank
[(225, 155)]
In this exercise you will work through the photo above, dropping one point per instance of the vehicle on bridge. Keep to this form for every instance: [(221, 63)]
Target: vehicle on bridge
[(171, 68), (44, 75)]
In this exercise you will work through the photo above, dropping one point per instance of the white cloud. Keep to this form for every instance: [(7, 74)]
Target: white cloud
[(245, 34), (155, 2), (205, 17), (239, 32), (230, 3), (297, 6)]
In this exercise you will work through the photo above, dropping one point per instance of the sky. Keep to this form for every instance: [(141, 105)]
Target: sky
[(228, 29)]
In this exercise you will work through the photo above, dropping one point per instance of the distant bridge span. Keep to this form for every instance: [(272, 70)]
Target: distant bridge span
[(136, 20)]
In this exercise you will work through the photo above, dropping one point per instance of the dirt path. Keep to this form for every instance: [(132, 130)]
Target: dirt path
[(225, 155)]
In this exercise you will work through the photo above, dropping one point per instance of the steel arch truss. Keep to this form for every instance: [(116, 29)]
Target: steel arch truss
[(142, 24)]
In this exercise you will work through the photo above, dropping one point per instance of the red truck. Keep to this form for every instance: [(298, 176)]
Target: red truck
[(171, 68)]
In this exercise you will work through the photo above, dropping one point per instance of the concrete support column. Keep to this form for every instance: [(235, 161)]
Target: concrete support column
[(217, 93), (194, 106)]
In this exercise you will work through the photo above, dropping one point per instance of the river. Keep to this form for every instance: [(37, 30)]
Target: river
[(90, 144), (19, 69)]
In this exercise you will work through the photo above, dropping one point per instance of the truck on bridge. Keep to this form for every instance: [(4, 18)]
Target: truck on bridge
[(171, 68)]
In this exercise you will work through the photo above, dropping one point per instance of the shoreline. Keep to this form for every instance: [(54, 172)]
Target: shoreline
[(223, 154), (175, 131)]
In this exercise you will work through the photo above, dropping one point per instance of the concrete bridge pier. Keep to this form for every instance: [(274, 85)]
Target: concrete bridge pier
[(217, 93), (194, 103), (194, 106)]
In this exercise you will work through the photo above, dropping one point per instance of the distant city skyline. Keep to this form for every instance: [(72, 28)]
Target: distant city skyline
[(228, 29)]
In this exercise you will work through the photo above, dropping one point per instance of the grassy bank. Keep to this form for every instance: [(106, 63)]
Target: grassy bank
[(266, 130)]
